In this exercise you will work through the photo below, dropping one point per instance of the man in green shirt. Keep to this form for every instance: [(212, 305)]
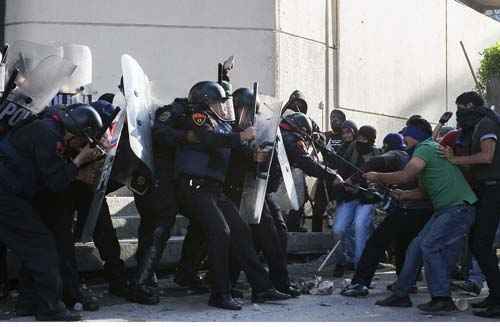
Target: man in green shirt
[(435, 246)]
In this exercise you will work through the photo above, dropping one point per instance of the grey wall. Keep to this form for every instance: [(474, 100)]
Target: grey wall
[(380, 61)]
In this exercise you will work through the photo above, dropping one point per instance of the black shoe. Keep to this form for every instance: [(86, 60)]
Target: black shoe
[(25, 310), (395, 301), (236, 294), (487, 302), (63, 315), (339, 271), (438, 306), (143, 295), (223, 301), (119, 289), (355, 290), (290, 290), (269, 295), (492, 311)]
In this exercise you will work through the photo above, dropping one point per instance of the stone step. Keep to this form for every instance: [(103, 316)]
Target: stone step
[(88, 258), (126, 226)]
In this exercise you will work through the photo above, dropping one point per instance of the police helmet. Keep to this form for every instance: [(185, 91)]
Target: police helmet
[(81, 120), (211, 96), (300, 123)]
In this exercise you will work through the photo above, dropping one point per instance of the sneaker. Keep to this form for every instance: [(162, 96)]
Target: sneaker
[(470, 287), (269, 295), (438, 306), (355, 290), (395, 301), (493, 311), (487, 302), (290, 290)]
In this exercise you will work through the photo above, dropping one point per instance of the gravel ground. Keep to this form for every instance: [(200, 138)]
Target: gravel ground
[(177, 305)]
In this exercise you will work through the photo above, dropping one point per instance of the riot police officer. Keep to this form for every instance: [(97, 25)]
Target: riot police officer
[(200, 172), (31, 159), (270, 234)]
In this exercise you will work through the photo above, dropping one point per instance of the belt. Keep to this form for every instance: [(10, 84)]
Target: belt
[(491, 182), (196, 180)]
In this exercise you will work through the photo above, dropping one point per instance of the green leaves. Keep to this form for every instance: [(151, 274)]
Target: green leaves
[(490, 64)]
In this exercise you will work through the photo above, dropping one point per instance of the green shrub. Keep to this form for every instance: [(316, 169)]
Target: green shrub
[(490, 64)]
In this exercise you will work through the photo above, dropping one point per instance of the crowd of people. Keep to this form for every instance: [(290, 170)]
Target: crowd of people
[(438, 191)]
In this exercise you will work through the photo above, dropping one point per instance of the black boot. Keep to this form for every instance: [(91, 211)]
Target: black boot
[(269, 295), (484, 303), (440, 305), (143, 295), (223, 301)]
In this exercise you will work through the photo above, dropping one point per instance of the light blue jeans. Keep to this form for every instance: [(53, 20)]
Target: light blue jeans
[(359, 216)]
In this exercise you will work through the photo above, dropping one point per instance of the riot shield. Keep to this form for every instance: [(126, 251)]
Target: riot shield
[(255, 185), (25, 56), (36, 89), (286, 171), (80, 56), (113, 137), (299, 179), (140, 105)]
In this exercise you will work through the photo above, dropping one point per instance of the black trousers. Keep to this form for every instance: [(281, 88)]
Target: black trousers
[(320, 205), (270, 236), (295, 219), (57, 211), (227, 234), (400, 227), (104, 237), (482, 236), (22, 231), (158, 210)]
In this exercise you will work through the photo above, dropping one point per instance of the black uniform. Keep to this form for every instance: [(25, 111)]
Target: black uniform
[(200, 173), (31, 160), (158, 207)]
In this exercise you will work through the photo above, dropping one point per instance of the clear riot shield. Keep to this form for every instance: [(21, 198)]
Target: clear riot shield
[(81, 56), (299, 179), (25, 56), (286, 171), (254, 188), (140, 107), (113, 138), (36, 89)]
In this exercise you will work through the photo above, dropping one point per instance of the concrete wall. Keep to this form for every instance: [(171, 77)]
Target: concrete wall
[(399, 58), (380, 61), (177, 42)]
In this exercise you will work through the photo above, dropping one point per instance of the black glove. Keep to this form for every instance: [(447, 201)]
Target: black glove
[(319, 140)]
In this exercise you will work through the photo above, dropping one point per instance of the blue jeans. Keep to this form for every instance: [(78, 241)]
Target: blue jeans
[(475, 274), (434, 248), (360, 217)]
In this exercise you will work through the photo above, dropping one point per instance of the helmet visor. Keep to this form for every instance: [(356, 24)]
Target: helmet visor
[(246, 117), (224, 110)]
